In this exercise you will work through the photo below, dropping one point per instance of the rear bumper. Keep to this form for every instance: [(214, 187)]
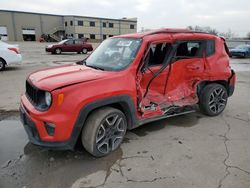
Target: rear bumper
[(231, 81), (15, 59)]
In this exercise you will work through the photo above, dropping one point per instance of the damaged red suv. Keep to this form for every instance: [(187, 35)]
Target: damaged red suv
[(126, 82)]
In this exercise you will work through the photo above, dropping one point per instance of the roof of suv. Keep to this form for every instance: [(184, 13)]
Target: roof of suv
[(166, 31)]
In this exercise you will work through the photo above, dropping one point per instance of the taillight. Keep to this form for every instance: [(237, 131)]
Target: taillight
[(14, 50)]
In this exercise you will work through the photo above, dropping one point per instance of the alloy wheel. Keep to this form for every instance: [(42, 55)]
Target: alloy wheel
[(110, 133), (217, 100)]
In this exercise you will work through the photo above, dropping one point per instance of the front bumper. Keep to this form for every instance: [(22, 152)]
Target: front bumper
[(34, 127), (48, 49)]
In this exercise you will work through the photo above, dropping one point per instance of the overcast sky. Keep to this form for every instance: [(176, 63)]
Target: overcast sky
[(220, 14)]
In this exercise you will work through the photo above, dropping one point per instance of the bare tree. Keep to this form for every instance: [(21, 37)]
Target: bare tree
[(248, 35), (206, 29), (229, 34)]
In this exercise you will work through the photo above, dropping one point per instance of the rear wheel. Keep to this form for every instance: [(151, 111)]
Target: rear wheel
[(58, 51), (2, 64), (104, 131), (213, 99), (84, 51)]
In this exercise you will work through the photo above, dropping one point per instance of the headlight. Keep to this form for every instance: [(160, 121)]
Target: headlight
[(48, 98), (50, 46)]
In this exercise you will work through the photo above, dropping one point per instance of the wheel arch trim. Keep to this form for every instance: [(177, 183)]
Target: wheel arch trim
[(124, 101), (204, 83)]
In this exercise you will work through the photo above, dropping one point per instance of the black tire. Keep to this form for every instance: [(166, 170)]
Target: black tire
[(2, 64), (104, 131), (58, 51), (84, 51), (213, 99)]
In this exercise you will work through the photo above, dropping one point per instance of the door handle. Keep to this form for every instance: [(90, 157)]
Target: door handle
[(193, 67)]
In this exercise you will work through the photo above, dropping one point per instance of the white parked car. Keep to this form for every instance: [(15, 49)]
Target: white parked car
[(9, 54)]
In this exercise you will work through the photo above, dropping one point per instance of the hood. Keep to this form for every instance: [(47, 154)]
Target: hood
[(53, 78), (237, 50)]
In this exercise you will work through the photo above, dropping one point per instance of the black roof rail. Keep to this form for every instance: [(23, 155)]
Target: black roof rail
[(174, 31)]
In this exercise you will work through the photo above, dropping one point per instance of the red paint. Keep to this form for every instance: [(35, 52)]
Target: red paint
[(176, 85)]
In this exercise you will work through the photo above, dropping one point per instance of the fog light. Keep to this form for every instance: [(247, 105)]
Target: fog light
[(50, 128)]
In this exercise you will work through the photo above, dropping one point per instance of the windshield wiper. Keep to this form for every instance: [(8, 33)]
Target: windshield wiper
[(92, 66)]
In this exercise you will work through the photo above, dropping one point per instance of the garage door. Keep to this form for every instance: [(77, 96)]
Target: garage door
[(29, 31), (29, 34), (3, 33)]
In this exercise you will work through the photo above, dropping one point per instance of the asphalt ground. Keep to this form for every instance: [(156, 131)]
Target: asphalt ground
[(192, 150)]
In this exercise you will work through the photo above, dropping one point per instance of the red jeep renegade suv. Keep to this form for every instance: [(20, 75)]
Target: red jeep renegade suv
[(127, 81)]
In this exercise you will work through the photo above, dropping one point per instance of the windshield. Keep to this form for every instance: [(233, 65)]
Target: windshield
[(244, 47), (63, 41), (114, 54)]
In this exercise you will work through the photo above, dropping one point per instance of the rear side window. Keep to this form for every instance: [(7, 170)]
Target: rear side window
[(189, 49), (210, 48)]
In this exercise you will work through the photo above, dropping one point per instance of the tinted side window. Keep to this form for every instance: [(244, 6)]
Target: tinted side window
[(69, 42), (189, 49), (157, 53), (78, 42), (210, 48)]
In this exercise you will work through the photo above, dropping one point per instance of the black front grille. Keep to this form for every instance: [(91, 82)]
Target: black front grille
[(32, 93)]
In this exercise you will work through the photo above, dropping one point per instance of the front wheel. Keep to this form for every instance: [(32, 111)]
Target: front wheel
[(104, 131), (213, 99)]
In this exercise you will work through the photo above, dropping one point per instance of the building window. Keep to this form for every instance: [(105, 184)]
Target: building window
[(111, 25), (104, 24), (132, 26), (66, 24), (92, 24), (111, 35), (80, 36), (104, 37), (71, 22), (80, 23), (92, 36)]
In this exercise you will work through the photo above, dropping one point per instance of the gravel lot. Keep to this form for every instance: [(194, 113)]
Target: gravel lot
[(186, 151)]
